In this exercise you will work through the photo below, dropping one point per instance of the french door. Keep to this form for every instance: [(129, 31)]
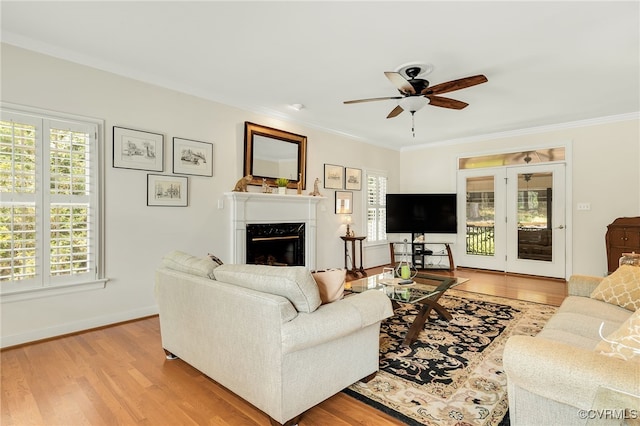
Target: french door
[(513, 219)]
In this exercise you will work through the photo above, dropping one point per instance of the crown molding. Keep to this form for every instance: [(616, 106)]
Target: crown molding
[(530, 131)]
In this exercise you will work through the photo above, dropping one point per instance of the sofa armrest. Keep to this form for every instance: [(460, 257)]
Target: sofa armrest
[(564, 373), (335, 320), (582, 285)]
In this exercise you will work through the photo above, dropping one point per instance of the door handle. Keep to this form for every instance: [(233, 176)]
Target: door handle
[(560, 227)]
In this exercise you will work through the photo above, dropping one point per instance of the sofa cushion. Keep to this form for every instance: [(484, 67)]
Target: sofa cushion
[(293, 282), (585, 326), (183, 262), (623, 343), (330, 284), (568, 338), (594, 308), (621, 288)]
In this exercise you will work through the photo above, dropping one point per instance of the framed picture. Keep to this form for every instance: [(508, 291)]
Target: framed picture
[(333, 176), (135, 149), (192, 157), (344, 202), (352, 179), (163, 190)]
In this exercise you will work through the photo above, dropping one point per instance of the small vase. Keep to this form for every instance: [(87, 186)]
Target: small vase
[(282, 190)]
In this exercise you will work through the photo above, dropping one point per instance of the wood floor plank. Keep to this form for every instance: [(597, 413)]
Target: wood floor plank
[(118, 375)]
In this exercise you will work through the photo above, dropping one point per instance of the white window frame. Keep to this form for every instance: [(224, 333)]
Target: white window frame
[(44, 284), (365, 219)]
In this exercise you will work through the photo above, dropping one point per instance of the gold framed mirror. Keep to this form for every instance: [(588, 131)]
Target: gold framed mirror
[(271, 153)]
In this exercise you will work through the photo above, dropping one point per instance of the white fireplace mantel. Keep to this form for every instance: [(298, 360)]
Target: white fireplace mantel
[(256, 207)]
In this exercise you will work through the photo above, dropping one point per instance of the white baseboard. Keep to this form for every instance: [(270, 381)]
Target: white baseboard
[(77, 326)]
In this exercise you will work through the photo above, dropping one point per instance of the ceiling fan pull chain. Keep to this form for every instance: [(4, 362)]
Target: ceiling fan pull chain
[(413, 123)]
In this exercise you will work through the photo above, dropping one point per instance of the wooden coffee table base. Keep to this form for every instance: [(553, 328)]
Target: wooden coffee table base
[(423, 316)]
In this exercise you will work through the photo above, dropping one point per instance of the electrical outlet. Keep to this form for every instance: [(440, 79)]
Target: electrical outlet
[(583, 206)]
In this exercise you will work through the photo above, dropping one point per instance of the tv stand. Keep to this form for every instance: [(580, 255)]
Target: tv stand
[(419, 254)]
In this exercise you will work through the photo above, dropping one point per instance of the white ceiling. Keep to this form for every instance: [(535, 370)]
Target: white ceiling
[(547, 62)]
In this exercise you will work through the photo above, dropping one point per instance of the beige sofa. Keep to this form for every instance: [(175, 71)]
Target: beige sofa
[(261, 331), (554, 375)]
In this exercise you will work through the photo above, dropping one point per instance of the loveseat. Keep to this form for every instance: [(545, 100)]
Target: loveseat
[(553, 376), (262, 332)]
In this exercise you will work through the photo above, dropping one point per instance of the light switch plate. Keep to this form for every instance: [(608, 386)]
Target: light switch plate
[(583, 206)]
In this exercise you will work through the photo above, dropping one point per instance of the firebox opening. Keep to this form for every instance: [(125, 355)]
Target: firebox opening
[(276, 244)]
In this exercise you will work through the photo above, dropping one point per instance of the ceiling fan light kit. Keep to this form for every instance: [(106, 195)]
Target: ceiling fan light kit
[(416, 92)]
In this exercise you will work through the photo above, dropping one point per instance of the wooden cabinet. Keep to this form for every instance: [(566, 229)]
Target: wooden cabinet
[(623, 236)]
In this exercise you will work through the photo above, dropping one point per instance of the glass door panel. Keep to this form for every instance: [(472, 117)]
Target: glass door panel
[(535, 240), (480, 229), (535, 220), (481, 216)]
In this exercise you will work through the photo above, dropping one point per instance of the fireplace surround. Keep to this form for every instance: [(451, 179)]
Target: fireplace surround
[(253, 208)]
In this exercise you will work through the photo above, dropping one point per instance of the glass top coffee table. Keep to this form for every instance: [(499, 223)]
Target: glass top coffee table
[(425, 289)]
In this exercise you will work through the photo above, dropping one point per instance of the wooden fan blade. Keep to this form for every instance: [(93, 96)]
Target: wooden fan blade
[(443, 102), (357, 101), (452, 85), (400, 82), (395, 112)]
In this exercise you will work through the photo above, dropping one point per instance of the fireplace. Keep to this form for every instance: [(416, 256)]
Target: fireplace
[(275, 244), (271, 210)]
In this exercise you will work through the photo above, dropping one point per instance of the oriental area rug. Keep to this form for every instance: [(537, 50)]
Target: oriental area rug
[(452, 375)]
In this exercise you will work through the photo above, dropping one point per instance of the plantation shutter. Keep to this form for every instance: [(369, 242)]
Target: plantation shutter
[(19, 218), (376, 207), (48, 185)]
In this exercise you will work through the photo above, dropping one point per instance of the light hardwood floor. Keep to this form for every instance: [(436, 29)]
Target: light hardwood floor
[(119, 375)]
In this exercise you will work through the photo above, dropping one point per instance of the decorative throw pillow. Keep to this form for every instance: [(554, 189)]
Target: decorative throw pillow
[(330, 284), (624, 342), (215, 259), (621, 288)]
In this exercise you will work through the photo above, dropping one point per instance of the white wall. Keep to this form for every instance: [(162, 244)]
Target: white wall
[(605, 172), (138, 236)]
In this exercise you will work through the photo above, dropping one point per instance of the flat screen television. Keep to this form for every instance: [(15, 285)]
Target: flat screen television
[(423, 213)]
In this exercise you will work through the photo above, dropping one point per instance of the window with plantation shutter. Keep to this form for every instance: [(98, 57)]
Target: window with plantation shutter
[(49, 205), (376, 207)]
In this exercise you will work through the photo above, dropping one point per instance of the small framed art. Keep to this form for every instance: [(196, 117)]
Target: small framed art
[(135, 149), (333, 176), (352, 179), (170, 191), (344, 202), (192, 157)]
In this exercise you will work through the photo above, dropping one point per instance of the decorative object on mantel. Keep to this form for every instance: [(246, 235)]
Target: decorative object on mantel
[(266, 189), (282, 185), (316, 191), (299, 185), (241, 185)]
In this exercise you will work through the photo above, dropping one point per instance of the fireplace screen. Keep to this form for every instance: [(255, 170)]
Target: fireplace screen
[(276, 244)]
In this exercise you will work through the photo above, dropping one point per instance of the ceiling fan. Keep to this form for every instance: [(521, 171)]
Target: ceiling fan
[(416, 92)]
